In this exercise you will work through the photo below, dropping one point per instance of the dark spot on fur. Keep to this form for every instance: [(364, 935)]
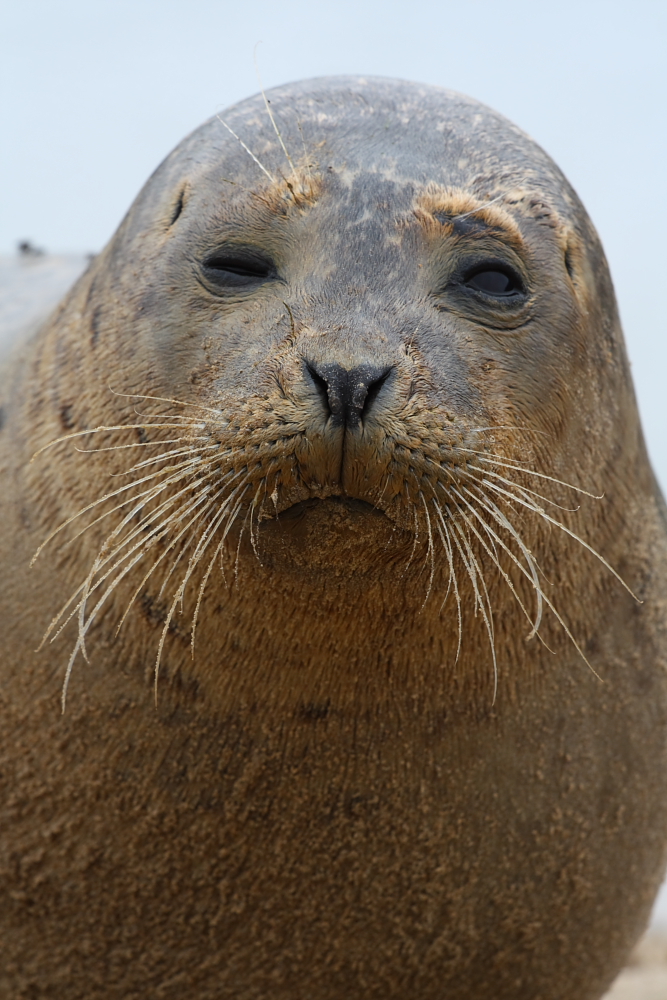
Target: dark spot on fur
[(66, 418), (142, 435), (355, 805), (156, 613), (314, 712), (592, 646), (568, 264), (186, 687)]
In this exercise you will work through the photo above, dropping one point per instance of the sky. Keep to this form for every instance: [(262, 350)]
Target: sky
[(97, 92)]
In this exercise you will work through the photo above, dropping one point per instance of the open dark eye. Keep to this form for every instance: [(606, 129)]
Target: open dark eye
[(494, 282), (238, 269)]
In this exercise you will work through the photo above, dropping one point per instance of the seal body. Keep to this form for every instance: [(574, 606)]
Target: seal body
[(351, 566)]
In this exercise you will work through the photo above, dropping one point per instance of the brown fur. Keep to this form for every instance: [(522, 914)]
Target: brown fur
[(327, 748)]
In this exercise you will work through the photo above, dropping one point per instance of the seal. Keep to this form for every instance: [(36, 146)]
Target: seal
[(349, 578)]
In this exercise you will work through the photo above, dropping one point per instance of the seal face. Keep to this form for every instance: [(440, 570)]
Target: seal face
[(360, 698)]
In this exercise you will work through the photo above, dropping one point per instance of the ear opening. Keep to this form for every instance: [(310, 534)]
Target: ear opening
[(178, 206)]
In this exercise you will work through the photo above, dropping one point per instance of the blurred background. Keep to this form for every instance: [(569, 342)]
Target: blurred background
[(97, 92)]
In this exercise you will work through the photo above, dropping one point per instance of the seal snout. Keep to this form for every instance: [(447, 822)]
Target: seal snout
[(348, 394)]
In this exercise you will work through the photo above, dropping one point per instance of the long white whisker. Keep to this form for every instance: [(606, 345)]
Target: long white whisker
[(141, 444), (430, 550), (186, 528), (248, 151), (145, 542), (523, 489), (109, 555), (530, 472), (474, 561), (270, 114), (165, 399), (182, 469), (501, 519), (558, 524), (444, 535), (99, 430), (488, 619), (493, 539), (202, 588)]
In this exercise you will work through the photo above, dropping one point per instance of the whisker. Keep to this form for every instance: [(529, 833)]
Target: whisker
[(488, 619), (165, 399), (145, 542), (414, 542), (99, 430), (474, 561), (109, 496), (430, 550), (83, 628), (254, 538), (214, 524), (248, 151), (175, 518), (508, 427), (195, 454), (493, 538), (186, 528), (572, 534), (194, 421), (530, 472), (139, 444), (202, 588), (452, 572), (154, 492), (549, 604), (107, 553), (99, 563), (523, 489), (273, 121), (525, 551)]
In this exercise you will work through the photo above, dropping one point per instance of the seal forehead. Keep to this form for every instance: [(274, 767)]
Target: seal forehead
[(393, 130), (384, 143)]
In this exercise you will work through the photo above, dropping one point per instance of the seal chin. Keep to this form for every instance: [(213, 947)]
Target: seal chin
[(313, 534)]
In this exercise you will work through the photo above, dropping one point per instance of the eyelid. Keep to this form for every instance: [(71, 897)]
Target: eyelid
[(233, 260), (236, 270)]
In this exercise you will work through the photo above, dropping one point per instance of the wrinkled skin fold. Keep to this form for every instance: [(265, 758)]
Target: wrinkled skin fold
[(334, 578)]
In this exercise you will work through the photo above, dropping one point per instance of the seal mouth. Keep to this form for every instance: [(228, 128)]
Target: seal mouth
[(351, 505)]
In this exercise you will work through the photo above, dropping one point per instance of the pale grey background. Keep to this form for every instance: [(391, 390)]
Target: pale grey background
[(96, 93)]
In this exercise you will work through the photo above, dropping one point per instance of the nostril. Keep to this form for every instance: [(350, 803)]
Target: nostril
[(321, 387), (373, 393)]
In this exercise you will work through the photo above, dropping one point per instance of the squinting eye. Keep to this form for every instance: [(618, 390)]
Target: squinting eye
[(236, 270), (493, 283)]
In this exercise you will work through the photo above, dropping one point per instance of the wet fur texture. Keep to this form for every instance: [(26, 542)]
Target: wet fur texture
[(364, 706)]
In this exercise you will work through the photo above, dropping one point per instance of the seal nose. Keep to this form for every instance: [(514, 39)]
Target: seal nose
[(348, 394)]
